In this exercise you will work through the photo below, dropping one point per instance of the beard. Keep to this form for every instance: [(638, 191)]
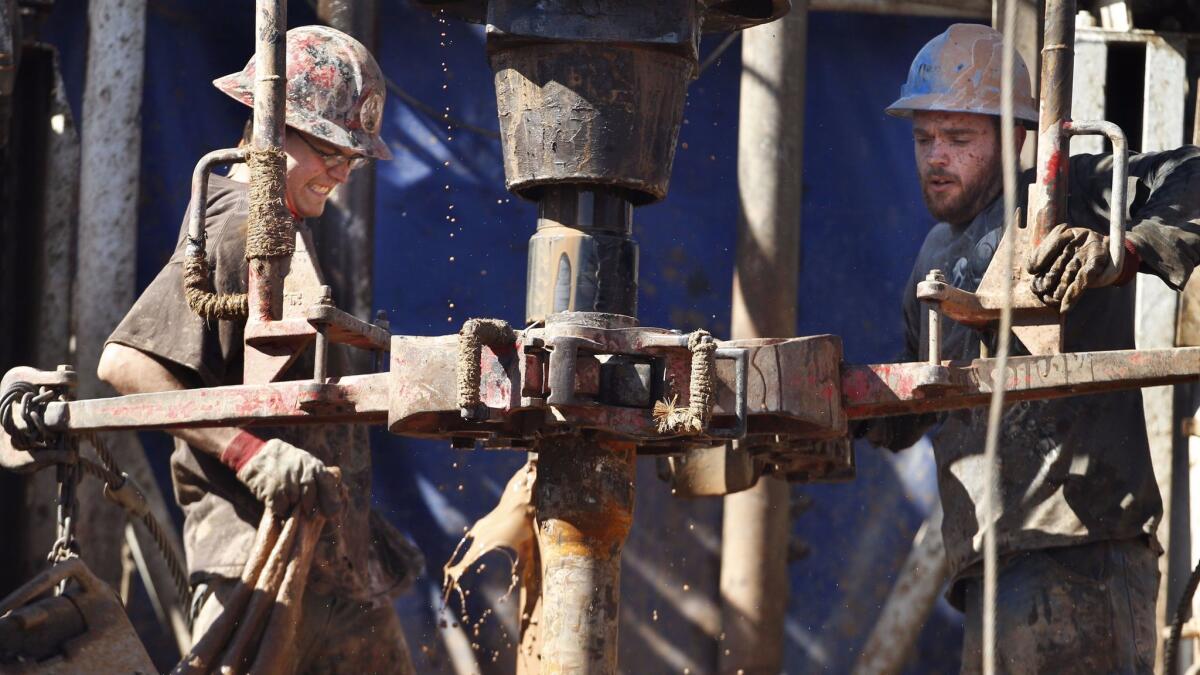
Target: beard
[(959, 207)]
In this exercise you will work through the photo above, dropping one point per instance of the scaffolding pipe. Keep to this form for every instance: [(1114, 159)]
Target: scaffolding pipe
[(346, 235), (908, 605), (754, 581)]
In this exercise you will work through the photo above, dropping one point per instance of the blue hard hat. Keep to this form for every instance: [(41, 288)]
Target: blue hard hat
[(959, 71)]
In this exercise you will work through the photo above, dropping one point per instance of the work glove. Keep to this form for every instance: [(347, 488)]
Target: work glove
[(1071, 260), (283, 476)]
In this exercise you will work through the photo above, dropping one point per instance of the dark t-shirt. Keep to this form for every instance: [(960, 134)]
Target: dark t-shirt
[(1077, 469), (221, 514)]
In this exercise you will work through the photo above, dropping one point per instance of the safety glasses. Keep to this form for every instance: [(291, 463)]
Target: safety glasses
[(335, 159)]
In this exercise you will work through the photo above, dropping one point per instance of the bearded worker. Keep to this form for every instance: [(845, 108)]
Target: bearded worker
[(1079, 505), (224, 477)]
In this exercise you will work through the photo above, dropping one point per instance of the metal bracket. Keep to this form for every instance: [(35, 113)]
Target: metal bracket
[(739, 357)]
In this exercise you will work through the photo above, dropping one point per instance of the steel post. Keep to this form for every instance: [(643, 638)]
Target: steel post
[(346, 236), (754, 582)]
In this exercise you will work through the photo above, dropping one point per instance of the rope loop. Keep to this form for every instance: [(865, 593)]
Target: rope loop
[(474, 335), (692, 420), (203, 299)]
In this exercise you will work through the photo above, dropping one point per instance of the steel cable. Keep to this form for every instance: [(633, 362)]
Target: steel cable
[(110, 473), (996, 408), (1183, 612)]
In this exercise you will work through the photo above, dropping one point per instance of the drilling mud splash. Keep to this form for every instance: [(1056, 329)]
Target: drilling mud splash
[(508, 528)]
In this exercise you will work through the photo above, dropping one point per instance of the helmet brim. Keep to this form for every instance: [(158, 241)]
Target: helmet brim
[(235, 85), (907, 105)]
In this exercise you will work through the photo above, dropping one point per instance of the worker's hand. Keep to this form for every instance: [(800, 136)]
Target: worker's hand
[(1069, 261), (894, 433), (283, 476)]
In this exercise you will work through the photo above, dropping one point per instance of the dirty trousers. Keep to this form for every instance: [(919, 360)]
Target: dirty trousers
[(1075, 609), (335, 635)]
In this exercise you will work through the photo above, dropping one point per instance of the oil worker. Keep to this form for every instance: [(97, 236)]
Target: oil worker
[(1079, 505), (224, 476)]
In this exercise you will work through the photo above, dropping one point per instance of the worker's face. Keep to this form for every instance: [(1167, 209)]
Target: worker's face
[(309, 179), (958, 159)]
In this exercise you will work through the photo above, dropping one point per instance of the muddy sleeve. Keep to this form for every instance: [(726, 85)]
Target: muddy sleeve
[(1164, 207), (162, 325)]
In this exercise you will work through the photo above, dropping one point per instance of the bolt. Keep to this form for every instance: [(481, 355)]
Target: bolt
[(325, 296), (935, 321)]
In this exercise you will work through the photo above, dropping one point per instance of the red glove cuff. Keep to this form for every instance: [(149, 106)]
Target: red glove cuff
[(241, 449), (1133, 262)]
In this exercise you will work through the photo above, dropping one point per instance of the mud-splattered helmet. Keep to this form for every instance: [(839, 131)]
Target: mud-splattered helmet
[(335, 90), (959, 71)]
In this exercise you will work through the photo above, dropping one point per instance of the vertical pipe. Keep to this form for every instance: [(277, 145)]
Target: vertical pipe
[(265, 278), (270, 80), (107, 236), (583, 504), (908, 605), (1027, 34), (51, 313), (106, 260), (346, 237), (584, 499), (754, 583), (1048, 196), (1156, 323)]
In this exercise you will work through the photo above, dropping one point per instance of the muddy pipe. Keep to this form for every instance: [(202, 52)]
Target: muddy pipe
[(266, 272), (1048, 195)]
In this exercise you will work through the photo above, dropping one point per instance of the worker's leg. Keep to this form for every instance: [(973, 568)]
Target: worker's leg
[(342, 636), (1076, 609)]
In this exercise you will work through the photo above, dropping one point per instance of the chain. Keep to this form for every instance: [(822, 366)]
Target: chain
[(67, 512)]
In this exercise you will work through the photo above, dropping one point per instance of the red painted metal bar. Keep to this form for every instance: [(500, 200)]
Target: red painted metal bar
[(867, 391), (894, 389), (360, 398)]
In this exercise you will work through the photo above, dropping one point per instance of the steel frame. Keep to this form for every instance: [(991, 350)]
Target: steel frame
[(581, 387)]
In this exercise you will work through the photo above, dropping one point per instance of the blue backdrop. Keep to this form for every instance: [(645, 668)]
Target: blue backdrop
[(450, 245)]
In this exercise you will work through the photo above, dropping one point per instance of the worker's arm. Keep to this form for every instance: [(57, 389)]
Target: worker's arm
[(279, 474), (1164, 213), (131, 371), (1162, 234)]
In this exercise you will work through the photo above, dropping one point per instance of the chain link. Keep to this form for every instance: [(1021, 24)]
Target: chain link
[(67, 513)]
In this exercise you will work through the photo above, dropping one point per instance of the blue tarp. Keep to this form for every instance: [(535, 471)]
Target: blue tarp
[(450, 245)]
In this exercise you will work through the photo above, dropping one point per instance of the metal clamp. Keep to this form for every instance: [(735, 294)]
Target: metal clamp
[(564, 352), (1117, 202), (740, 357)]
